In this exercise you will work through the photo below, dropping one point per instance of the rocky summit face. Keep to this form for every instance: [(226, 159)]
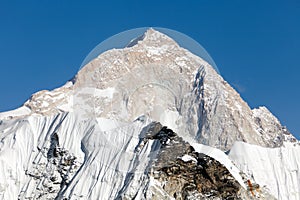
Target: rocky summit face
[(149, 121)]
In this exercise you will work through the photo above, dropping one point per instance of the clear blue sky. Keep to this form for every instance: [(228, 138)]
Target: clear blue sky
[(256, 44)]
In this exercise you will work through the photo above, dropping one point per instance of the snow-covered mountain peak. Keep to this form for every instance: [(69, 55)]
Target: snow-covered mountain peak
[(153, 38), (129, 126), (154, 76)]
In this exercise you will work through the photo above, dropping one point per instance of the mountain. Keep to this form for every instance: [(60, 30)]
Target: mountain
[(149, 121)]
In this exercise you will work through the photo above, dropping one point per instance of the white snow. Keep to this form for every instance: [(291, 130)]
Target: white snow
[(170, 118), (275, 168), (109, 124), (105, 148), (187, 158), (108, 92), (22, 111)]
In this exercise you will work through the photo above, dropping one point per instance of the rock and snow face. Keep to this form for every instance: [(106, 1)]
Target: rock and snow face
[(86, 139), (156, 77)]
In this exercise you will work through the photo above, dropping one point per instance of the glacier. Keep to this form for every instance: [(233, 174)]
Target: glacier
[(103, 134)]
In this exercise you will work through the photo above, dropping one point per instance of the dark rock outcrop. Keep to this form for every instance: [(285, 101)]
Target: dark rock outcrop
[(201, 177)]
